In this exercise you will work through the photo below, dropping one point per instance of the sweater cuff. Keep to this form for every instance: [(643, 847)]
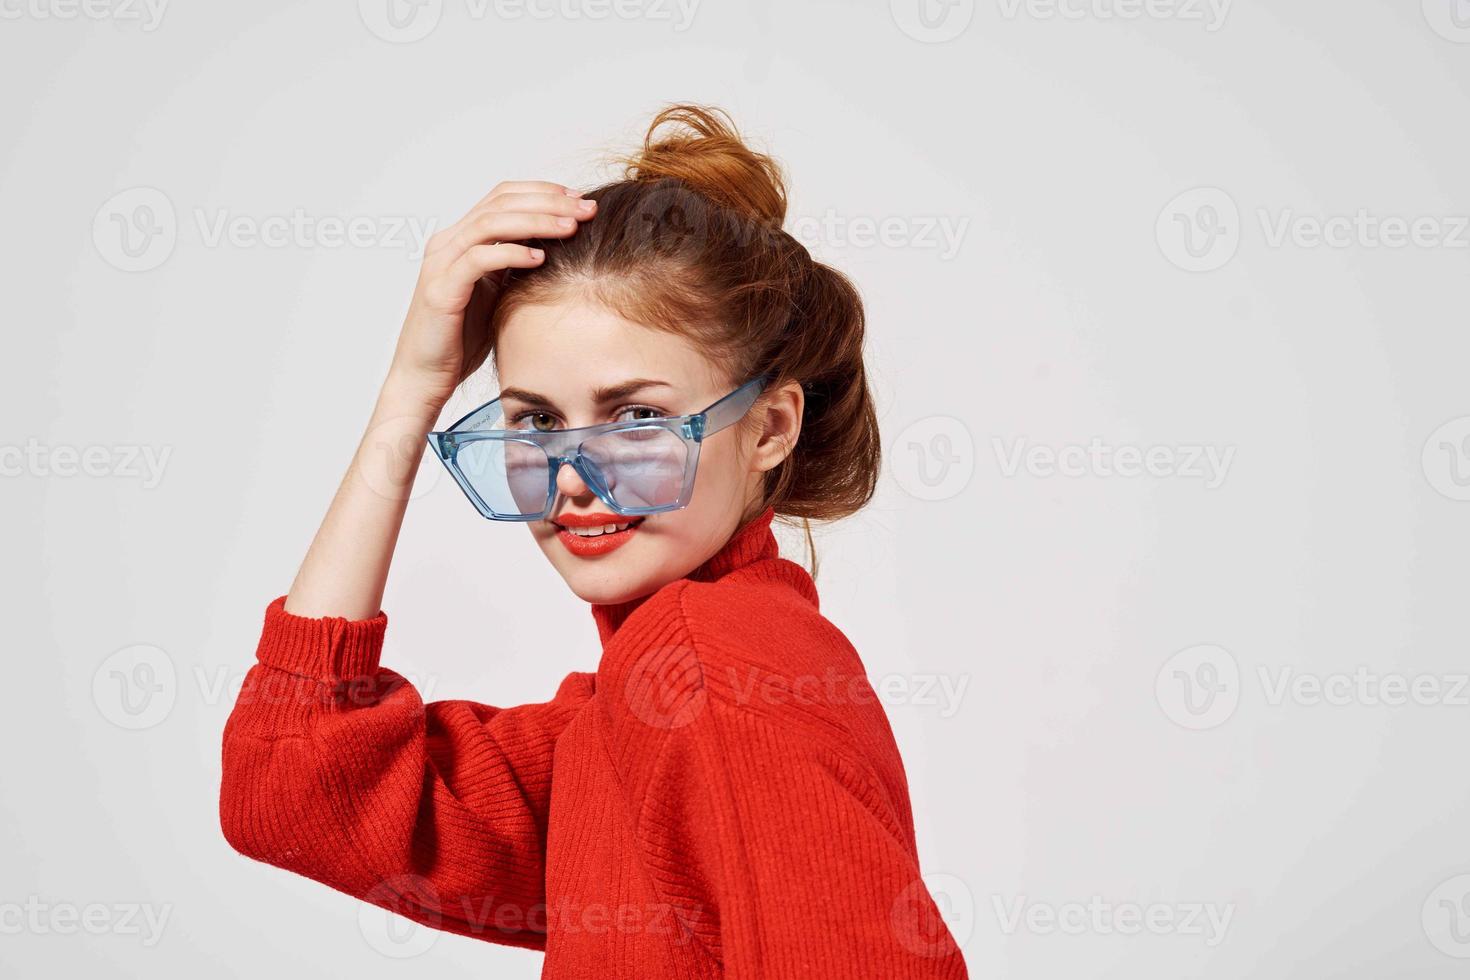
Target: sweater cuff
[(328, 649)]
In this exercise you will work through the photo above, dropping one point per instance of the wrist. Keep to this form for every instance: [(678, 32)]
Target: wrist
[(410, 394)]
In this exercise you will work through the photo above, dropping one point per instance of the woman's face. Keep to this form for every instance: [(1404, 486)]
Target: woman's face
[(553, 359)]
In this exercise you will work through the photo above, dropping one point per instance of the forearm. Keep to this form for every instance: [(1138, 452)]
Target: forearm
[(346, 567), (445, 337)]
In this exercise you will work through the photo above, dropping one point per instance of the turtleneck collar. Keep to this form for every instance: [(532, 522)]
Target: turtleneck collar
[(751, 542)]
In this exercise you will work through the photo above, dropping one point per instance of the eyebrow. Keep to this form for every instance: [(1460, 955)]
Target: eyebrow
[(600, 396)]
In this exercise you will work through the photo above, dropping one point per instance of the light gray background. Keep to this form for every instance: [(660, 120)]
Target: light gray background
[(1083, 668)]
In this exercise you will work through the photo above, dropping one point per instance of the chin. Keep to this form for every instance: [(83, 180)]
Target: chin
[(629, 572), (610, 579), (606, 586)]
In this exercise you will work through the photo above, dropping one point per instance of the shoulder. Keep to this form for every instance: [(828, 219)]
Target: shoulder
[(707, 674), (764, 646), (766, 613), (753, 642)]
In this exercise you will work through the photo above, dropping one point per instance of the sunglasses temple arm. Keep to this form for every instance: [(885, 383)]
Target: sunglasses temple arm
[(733, 406)]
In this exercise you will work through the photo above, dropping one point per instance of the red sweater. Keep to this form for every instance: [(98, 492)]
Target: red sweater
[(722, 797)]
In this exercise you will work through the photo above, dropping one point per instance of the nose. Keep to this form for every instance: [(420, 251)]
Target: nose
[(569, 482)]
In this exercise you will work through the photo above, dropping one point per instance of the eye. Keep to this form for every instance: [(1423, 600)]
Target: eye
[(547, 422), (538, 421), (638, 413)]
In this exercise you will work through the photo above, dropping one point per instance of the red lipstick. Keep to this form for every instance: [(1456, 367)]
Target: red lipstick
[(591, 546)]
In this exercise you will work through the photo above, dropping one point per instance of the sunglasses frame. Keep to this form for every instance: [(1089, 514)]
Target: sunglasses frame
[(564, 447)]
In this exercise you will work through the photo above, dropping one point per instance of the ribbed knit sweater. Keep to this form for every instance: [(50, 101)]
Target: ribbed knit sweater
[(722, 797)]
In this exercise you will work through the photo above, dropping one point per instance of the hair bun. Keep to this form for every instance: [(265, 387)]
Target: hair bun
[(701, 147)]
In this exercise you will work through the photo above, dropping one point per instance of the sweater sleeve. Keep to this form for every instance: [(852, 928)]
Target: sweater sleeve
[(334, 768), (808, 867)]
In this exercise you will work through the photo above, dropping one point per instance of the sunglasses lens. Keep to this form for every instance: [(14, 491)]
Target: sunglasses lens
[(639, 468), (510, 477)]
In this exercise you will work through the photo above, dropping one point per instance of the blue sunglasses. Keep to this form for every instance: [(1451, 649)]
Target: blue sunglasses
[(643, 466)]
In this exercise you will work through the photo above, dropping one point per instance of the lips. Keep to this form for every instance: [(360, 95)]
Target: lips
[(591, 535)]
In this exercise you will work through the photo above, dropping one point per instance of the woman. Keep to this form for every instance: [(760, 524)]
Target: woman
[(723, 796)]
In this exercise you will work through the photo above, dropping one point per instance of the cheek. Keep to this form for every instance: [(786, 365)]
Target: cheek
[(719, 468)]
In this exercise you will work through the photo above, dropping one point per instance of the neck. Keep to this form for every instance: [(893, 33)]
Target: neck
[(752, 541)]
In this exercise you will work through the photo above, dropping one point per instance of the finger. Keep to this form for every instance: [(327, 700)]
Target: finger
[(556, 205), (497, 226), (480, 260), (526, 187), (576, 207)]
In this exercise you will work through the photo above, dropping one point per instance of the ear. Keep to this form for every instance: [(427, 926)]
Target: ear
[(780, 411)]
